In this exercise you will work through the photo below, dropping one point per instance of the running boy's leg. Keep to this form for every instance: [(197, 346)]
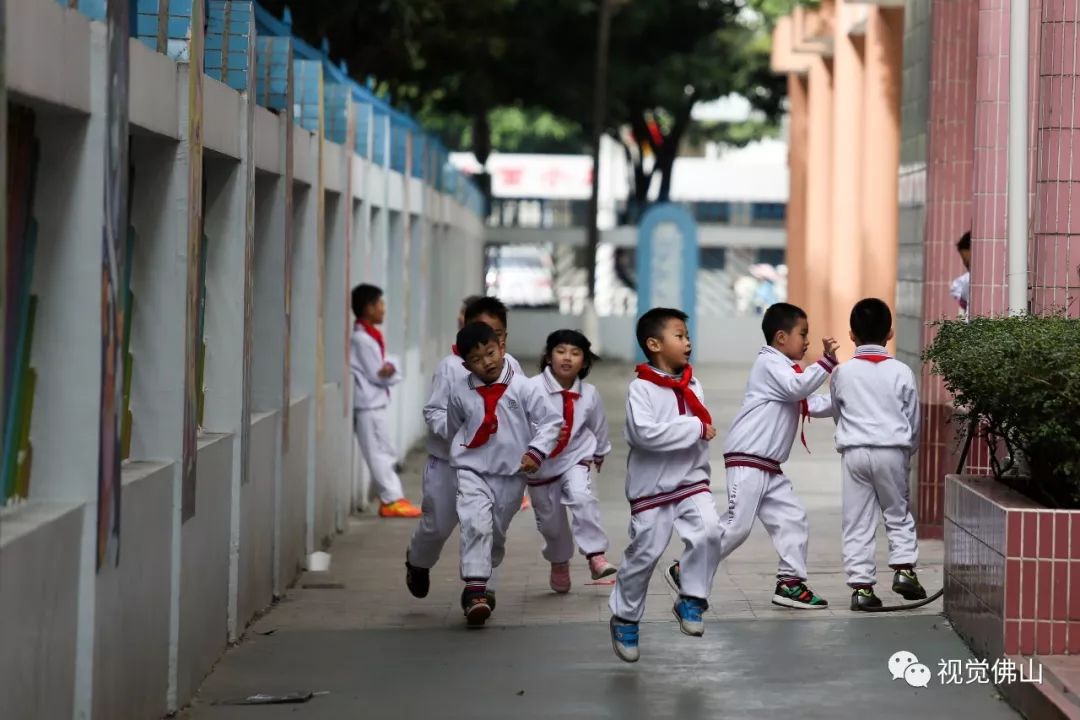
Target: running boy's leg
[(650, 532), (440, 514), (507, 491), (475, 509), (698, 524)]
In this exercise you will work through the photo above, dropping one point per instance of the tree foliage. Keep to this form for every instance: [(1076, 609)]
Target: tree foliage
[(518, 74)]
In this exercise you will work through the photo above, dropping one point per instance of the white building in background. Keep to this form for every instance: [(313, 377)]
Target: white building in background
[(535, 238)]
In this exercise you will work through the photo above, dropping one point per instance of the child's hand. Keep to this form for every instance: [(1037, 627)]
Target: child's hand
[(386, 370), (528, 464), (831, 346), (710, 432)]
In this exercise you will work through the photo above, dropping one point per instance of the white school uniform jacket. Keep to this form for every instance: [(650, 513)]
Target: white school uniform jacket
[(370, 392), (876, 404), (519, 409), (449, 369), (768, 421), (589, 438), (667, 447)]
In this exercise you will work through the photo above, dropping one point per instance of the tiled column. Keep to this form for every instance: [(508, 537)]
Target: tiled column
[(951, 131), (844, 277), (989, 248), (796, 209), (883, 62), (819, 195), (1055, 252)]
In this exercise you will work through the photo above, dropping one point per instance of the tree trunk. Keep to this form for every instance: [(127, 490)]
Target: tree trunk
[(481, 142), (665, 160)]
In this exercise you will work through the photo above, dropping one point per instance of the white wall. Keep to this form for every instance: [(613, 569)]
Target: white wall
[(38, 609), (131, 649), (135, 638)]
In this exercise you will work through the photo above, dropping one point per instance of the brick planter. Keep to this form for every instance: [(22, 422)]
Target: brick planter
[(1012, 570)]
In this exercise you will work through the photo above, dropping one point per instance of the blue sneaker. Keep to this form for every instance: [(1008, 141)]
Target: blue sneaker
[(624, 639), (689, 612)]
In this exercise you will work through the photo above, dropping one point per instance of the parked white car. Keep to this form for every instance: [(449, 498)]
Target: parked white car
[(521, 276)]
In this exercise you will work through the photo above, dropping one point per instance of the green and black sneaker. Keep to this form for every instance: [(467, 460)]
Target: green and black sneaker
[(864, 598), (798, 595), (906, 584)]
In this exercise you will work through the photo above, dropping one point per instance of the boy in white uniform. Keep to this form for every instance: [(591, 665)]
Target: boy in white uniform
[(373, 376), (876, 405), (564, 478), (779, 395), (491, 416), (668, 429), (439, 504)]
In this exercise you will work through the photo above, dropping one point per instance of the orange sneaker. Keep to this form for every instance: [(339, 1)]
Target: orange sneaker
[(399, 509), (526, 503)]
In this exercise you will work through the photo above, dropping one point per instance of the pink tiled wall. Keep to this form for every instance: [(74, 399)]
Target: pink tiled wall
[(1012, 571), (950, 168), (1055, 247), (989, 284)]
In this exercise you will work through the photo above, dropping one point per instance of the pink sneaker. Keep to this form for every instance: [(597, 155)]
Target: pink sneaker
[(600, 567), (560, 577)]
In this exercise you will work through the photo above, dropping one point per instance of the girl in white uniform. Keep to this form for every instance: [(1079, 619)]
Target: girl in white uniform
[(563, 482)]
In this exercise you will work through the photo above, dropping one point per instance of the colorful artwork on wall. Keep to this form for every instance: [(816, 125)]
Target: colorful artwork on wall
[(194, 247)]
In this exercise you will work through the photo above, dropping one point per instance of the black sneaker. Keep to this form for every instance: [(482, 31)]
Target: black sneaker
[(906, 584), (673, 578), (864, 598), (418, 580), (476, 607), (798, 596), (490, 595)]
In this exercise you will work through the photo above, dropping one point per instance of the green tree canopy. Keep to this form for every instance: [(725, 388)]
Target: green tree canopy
[(518, 74)]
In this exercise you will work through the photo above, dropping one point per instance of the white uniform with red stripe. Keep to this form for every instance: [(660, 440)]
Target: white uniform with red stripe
[(759, 440), (439, 504), (876, 405), (667, 484), (563, 482), (489, 485), (371, 397)]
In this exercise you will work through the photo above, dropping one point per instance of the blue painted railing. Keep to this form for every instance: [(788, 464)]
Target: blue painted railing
[(382, 132)]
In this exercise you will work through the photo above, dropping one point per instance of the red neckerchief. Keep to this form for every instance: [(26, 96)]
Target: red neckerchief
[(375, 335), (490, 424), (568, 398), (686, 396), (453, 349), (804, 410), (872, 357)]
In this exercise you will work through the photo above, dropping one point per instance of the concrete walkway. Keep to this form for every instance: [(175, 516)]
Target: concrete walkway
[(377, 652)]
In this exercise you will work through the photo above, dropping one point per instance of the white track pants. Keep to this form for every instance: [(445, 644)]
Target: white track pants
[(440, 513), (374, 438), (573, 492), (485, 507), (875, 479), (696, 521), (772, 499)]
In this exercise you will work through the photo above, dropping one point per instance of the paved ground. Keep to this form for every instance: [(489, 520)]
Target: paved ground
[(379, 652)]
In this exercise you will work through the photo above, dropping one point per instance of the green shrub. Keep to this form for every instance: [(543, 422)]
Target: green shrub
[(1018, 379)]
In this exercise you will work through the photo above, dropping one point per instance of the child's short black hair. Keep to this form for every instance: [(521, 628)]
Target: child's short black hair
[(964, 243), (486, 306), (569, 337), (472, 336), (780, 317), (364, 295), (470, 300), (871, 321), (651, 325)]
